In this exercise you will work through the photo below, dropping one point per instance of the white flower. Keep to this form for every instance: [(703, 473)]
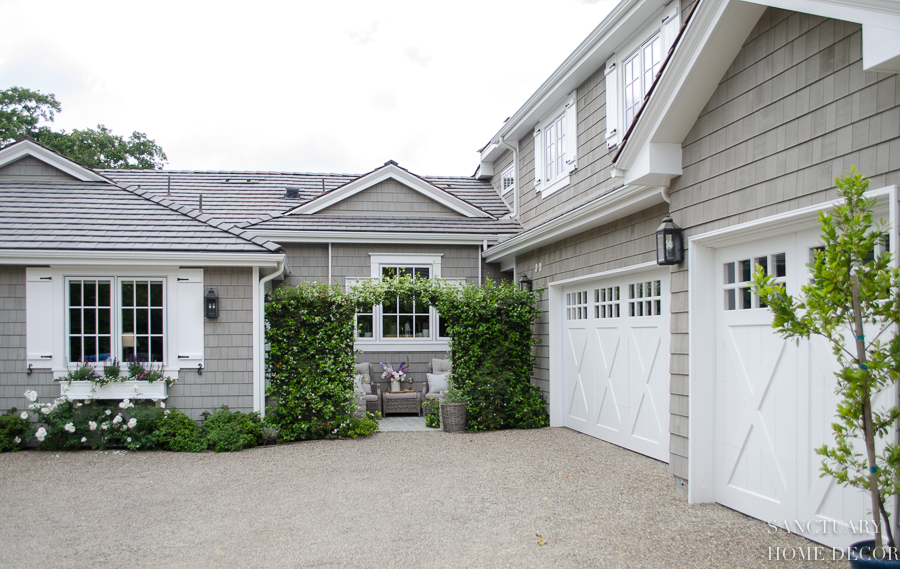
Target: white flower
[(66, 388), (135, 387), (31, 395), (167, 412), (132, 422), (17, 440), (162, 404), (125, 404), (40, 434), (108, 412), (128, 439), (118, 419), (92, 425), (69, 427), (46, 410), (77, 404), (84, 439), (24, 416), (34, 406), (105, 425)]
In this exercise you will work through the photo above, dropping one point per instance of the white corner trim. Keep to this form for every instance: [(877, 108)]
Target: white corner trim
[(615, 205), (386, 173), (24, 148)]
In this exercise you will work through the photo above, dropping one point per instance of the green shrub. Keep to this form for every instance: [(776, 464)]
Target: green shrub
[(145, 435), (310, 360), (178, 432), (430, 408), (228, 431), (14, 430), (359, 427)]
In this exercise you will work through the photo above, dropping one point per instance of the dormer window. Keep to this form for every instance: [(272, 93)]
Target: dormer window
[(638, 73), (555, 148)]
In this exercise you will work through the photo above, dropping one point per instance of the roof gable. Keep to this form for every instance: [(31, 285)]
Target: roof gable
[(26, 147), (389, 198), (390, 171)]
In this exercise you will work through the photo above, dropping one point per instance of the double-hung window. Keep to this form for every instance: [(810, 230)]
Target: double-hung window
[(639, 72), (401, 323), (555, 147), (115, 318)]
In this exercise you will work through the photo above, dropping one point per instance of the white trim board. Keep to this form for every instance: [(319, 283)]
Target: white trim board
[(701, 314), (283, 236), (638, 268), (143, 259), (390, 171)]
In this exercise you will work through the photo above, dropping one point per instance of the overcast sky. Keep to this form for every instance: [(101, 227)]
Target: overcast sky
[(295, 86)]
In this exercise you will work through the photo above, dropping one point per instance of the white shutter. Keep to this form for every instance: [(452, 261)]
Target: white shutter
[(188, 316), (572, 133), (538, 158), (612, 103), (39, 306)]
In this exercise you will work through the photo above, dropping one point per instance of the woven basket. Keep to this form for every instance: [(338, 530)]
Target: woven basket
[(453, 417)]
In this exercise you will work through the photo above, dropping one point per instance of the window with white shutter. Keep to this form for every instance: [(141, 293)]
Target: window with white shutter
[(39, 317), (555, 147)]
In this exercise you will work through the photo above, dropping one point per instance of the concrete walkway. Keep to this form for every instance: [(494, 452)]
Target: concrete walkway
[(390, 500), (406, 423)]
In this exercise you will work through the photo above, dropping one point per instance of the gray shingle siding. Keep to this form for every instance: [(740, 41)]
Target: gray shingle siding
[(228, 373), (389, 198), (30, 168), (793, 110)]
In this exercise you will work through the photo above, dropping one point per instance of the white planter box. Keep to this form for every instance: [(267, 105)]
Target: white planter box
[(115, 390)]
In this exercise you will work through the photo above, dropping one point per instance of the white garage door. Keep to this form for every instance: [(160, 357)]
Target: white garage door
[(616, 361), (774, 402)]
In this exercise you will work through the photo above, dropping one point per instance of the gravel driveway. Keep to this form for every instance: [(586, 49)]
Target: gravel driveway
[(392, 500)]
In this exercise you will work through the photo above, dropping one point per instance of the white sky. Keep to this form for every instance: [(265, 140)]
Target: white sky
[(295, 86)]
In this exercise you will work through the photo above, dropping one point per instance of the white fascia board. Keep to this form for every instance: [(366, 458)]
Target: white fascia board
[(137, 258), (707, 48), (386, 173), (880, 20), (283, 237), (24, 148), (613, 206), (492, 152), (626, 18)]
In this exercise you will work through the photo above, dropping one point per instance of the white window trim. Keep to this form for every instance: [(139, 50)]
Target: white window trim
[(665, 23), (53, 324), (508, 173), (569, 108), (432, 344)]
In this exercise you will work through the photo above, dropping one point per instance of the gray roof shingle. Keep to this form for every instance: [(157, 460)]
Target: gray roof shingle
[(98, 216)]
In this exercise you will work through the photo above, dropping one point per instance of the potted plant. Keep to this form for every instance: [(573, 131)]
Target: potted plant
[(851, 288), (453, 410)]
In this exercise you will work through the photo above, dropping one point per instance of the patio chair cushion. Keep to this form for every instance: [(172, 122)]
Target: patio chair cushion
[(367, 389), (433, 395), (409, 395), (437, 382), (440, 366), (363, 370), (371, 397)]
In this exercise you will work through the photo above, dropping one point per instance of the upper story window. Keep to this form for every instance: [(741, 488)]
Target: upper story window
[(630, 72), (555, 147), (508, 180), (639, 71)]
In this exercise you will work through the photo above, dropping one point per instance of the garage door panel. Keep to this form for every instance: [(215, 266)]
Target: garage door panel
[(576, 396), (626, 384)]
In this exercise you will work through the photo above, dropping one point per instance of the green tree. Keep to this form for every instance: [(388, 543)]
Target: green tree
[(22, 109), (852, 287)]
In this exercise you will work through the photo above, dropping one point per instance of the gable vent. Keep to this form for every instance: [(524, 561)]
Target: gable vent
[(291, 192)]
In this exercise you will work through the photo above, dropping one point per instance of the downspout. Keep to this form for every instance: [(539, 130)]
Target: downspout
[(329, 263), (515, 151), (259, 380)]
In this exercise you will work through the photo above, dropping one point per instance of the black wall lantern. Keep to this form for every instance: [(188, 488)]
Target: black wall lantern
[(669, 243), (211, 304), (525, 283)]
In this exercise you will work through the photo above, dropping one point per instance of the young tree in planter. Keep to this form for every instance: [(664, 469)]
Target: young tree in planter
[(852, 288)]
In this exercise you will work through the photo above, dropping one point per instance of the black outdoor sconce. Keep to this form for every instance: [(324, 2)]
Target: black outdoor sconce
[(525, 283), (211, 304), (669, 243)]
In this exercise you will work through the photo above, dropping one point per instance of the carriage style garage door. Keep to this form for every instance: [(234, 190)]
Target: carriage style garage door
[(774, 401), (615, 356)]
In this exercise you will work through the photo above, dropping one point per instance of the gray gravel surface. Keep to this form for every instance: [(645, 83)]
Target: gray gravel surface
[(391, 500)]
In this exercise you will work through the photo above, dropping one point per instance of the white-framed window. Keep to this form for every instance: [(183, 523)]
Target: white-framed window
[(508, 180), (736, 277), (630, 72), (555, 154), (115, 318), (401, 324), (84, 315)]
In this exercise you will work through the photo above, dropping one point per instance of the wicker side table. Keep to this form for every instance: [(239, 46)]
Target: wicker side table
[(401, 402)]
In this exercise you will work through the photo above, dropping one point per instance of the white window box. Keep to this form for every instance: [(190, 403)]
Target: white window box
[(115, 390)]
